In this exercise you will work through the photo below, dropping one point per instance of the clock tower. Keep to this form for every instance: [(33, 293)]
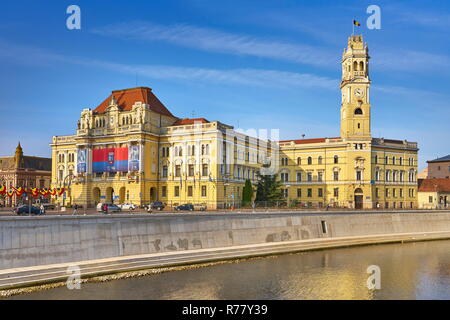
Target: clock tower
[(355, 85)]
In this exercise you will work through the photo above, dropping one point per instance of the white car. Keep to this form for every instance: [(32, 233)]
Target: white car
[(127, 206)]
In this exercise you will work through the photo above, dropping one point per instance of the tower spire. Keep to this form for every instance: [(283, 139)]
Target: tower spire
[(355, 85)]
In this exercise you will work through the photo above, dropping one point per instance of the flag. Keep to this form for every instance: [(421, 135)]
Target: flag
[(356, 23)]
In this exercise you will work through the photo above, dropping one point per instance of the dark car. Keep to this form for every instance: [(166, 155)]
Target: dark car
[(25, 209), (156, 205), (188, 207), (49, 206)]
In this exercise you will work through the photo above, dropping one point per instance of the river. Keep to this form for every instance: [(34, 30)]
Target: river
[(418, 270)]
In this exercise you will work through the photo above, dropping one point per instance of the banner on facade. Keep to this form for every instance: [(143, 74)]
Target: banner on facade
[(110, 160), (133, 163), (81, 160)]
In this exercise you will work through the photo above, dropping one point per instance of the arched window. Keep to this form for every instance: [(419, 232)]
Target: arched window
[(393, 160), (299, 161), (319, 160), (361, 66), (309, 160), (358, 111), (336, 159), (355, 66)]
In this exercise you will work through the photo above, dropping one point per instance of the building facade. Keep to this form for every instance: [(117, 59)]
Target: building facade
[(434, 193), (131, 148), (23, 171), (439, 168), (354, 170)]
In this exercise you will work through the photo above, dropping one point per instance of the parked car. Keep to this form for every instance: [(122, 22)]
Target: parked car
[(127, 206), (200, 207), (111, 207), (188, 207), (156, 205), (49, 206), (25, 209)]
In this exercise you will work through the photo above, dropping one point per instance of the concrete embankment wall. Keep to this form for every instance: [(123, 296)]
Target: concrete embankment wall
[(34, 241)]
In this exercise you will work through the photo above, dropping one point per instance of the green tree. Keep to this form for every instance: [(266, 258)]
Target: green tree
[(268, 188), (247, 193)]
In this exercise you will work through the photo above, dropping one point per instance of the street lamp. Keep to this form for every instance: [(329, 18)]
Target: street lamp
[(71, 176)]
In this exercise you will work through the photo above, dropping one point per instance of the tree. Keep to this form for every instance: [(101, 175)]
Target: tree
[(247, 193), (268, 188)]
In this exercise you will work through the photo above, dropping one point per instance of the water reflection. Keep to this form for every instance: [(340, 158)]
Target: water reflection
[(408, 271)]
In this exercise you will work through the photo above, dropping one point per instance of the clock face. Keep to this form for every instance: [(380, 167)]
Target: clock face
[(359, 92)]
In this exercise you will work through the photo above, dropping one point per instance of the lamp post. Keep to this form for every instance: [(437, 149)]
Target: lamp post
[(71, 176)]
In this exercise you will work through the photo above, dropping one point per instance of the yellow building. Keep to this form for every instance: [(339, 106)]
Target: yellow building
[(354, 170), (132, 149)]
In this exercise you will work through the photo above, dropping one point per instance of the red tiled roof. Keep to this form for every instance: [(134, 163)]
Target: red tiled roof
[(127, 97), (187, 121), (433, 185), (305, 141)]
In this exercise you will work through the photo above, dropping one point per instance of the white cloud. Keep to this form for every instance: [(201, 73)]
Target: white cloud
[(409, 60), (246, 76), (217, 41)]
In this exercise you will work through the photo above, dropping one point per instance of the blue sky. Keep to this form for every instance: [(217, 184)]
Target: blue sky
[(251, 64)]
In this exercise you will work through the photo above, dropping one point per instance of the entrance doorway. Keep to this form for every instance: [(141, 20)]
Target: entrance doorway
[(359, 199)]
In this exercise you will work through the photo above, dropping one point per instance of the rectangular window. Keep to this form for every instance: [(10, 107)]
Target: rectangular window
[(299, 193), (164, 172), (394, 193), (309, 193), (191, 170), (285, 193), (203, 191), (376, 193), (176, 191), (299, 176), (320, 192), (358, 176), (309, 176), (387, 192), (336, 192), (204, 170), (336, 175), (164, 191), (430, 199), (177, 171), (190, 191), (320, 176)]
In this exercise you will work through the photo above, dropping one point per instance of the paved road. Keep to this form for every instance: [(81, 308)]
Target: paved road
[(7, 212)]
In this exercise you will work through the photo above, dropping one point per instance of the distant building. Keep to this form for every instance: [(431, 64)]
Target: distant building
[(439, 168), (24, 171), (434, 193), (423, 174)]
